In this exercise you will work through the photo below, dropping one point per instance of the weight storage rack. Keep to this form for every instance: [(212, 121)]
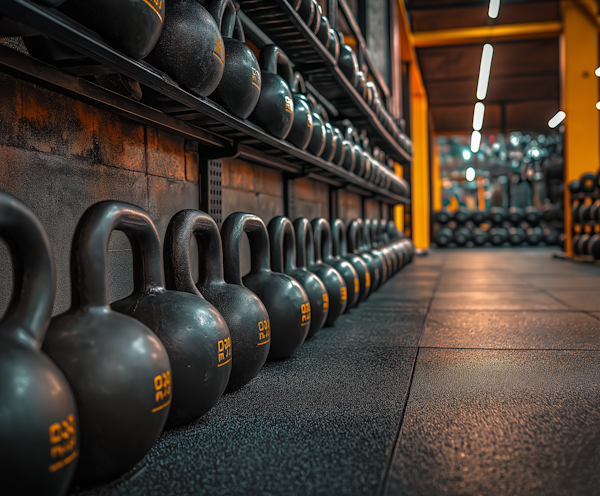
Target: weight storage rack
[(218, 133)]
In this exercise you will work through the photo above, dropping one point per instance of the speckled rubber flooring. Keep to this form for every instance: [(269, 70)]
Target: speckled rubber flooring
[(471, 372)]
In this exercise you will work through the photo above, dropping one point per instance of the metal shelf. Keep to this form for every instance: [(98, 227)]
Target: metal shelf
[(281, 23), (219, 133)]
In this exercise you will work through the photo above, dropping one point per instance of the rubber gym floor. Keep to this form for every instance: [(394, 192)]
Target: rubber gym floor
[(473, 371)]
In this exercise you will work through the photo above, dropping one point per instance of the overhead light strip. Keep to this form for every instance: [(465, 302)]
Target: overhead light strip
[(557, 119), (478, 116), (475, 141), (484, 71), (494, 8)]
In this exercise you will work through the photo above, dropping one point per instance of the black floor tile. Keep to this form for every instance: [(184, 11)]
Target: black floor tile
[(511, 330), (579, 300), (499, 423), (495, 300)]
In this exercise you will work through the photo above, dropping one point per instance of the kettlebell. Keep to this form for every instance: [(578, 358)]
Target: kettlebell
[(190, 48), (394, 258), (117, 367), (318, 140), (275, 109), (302, 127), (334, 45), (193, 332), (354, 238), (323, 240), (239, 89), (340, 152), (39, 431), (347, 62), (285, 300), (315, 24), (389, 258), (323, 31), (305, 9), (244, 313), (332, 142), (333, 281), (378, 256), (283, 259), (132, 27), (340, 248)]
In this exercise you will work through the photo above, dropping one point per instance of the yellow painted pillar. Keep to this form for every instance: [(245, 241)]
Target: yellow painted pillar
[(420, 165), (436, 180), (579, 60), (399, 209)]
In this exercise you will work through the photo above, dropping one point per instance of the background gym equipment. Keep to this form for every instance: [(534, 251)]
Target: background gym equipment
[(39, 430), (244, 313)]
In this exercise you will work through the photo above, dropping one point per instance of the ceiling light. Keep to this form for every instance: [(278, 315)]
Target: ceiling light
[(475, 141), (470, 174), (598, 105), (466, 155), (557, 119), (478, 116), (597, 72), (494, 8), (484, 71)]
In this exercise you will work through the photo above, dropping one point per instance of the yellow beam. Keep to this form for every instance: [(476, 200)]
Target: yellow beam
[(463, 36), (579, 59)]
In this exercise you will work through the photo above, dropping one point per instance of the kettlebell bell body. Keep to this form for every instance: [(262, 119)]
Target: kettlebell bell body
[(244, 313), (39, 431), (283, 259), (302, 127), (389, 259), (133, 27), (274, 111), (333, 281), (378, 257), (323, 239), (347, 62), (117, 367), (190, 48), (340, 248), (285, 300)]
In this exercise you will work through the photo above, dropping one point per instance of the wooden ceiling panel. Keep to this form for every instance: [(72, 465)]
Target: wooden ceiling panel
[(459, 119), (444, 63), (529, 88), (525, 57), (530, 116)]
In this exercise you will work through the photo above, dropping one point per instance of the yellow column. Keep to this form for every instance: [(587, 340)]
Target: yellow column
[(420, 164), (579, 59), (436, 181), (399, 209)]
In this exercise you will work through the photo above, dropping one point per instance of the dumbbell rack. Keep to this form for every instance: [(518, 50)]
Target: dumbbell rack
[(580, 227), (218, 133)]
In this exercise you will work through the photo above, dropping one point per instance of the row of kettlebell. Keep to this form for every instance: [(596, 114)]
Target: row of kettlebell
[(344, 55), (160, 356)]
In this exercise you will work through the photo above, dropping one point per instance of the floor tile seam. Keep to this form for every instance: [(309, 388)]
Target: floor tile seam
[(428, 309), (591, 314), (506, 349), (557, 299), (384, 482), (558, 310)]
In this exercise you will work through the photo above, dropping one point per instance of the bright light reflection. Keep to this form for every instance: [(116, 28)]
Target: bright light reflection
[(478, 116), (494, 8), (484, 71), (470, 174), (466, 155), (597, 72), (475, 141), (598, 105), (557, 119)]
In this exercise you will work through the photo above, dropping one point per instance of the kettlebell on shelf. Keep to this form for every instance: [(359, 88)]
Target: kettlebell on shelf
[(275, 109), (318, 140), (323, 241), (305, 9), (132, 27), (354, 238), (334, 45), (190, 48), (323, 31), (387, 255), (380, 260), (302, 127), (340, 249), (239, 89), (118, 369), (347, 62), (244, 313), (333, 281), (285, 300), (39, 429), (283, 259), (193, 332)]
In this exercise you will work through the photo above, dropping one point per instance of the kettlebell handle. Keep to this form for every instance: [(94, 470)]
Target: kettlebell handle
[(283, 244), (322, 239), (30, 307), (338, 235), (178, 267), (374, 233), (298, 86), (353, 236), (305, 255), (224, 13), (273, 59), (231, 236), (90, 248), (367, 233)]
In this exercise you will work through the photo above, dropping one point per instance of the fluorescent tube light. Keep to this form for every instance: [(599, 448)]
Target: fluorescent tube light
[(475, 141), (484, 71), (494, 8), (478, 116), (470, 174), (557, 119)]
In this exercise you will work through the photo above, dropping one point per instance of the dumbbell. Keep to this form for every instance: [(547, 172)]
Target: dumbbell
[(581, 246), (479, 217), (583, 212), (548, 212), (498, 235), (595, 211), (515, 215), (462, 235), (551, 236), (532, 216), (588, 182), (444, 236), (443, 216), (497, 215), (461, 216), (574, 187), (534, 235), (480, 236), (516, 236), (593, 247)]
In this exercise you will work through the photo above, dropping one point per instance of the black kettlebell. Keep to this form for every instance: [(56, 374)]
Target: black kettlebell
[(283, 297), (323, 240), (340, 248), (283, 259), (117, 367), (330, 138), (333, 281), (334, 45), (515, 215), (444, 236), (244, 313), (318, 140), (532, 216), (239, 89), (354, 238), (379, 235), (516, 236), (480, 236), (340, 152), (133, 27), (348, 63), (315, 24), (305, 9), (380, 259), (275, 109), (323, 32), (302, 127), (498, 235), (39, 431), (535, 235), (190, 48)]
